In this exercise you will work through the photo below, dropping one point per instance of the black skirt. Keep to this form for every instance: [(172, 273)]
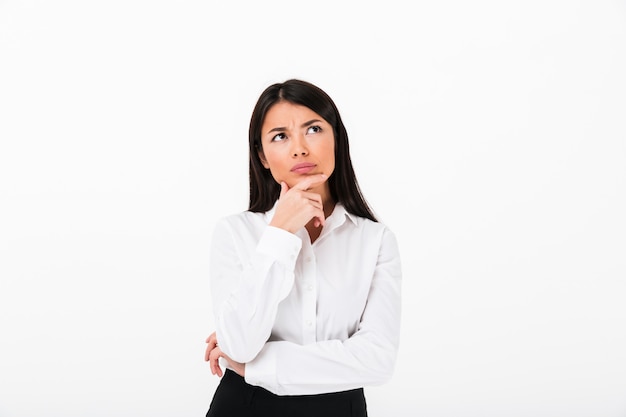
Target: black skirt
[(236, 398)]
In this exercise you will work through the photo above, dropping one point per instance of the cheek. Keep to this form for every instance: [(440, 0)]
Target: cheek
[(276, 166), (330, 152), (274, 162)]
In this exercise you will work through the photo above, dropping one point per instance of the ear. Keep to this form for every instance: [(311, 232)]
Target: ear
[(262, 158)]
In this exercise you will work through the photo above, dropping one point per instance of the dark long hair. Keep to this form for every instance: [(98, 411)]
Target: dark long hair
[(344, 188)]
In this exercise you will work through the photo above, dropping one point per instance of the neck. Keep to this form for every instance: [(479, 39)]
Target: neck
[(329, 206), (327, 200)]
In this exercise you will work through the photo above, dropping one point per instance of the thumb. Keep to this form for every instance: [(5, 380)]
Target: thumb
[(283, 188)]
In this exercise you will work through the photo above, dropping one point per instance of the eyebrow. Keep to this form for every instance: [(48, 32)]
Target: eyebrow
[(305, 124)]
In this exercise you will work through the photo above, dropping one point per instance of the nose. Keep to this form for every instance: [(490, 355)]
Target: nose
[(298, 146)]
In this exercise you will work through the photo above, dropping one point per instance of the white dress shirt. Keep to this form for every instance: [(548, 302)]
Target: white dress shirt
[(307, 318)]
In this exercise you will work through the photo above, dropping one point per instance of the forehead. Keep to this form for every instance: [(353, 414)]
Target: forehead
[(287, 114)]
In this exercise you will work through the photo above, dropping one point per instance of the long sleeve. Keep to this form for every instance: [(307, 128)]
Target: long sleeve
[(365, 358), (252, 270)]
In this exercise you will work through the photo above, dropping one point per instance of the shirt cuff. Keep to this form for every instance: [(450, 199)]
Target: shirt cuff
[(280, 245), (261, 371)]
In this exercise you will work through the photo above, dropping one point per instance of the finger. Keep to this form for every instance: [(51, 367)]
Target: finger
[(213, 360), (214, 366), (315, 200), (211, 344), (283, 188), (208, 351), (318, 218), (319, 221), (311, 181), (218, 368)]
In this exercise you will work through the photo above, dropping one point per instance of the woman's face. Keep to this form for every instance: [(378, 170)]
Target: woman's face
[(296, 142)]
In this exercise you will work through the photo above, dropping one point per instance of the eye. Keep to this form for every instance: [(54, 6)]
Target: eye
[(279, 137), (313, 129)]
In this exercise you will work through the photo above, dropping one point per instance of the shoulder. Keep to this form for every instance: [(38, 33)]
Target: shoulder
[(361, 222), (372, 230), (243, 218), (239, 222)]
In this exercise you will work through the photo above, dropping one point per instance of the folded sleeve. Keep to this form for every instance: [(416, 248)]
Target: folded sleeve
[(366, 358), (248, 281)]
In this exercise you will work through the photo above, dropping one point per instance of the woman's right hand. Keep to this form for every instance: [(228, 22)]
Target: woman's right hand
[(297, 206)]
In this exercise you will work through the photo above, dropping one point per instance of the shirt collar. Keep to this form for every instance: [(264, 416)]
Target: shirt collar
[(340, 213)]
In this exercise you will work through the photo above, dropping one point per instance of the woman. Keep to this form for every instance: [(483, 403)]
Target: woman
[(305, 283)]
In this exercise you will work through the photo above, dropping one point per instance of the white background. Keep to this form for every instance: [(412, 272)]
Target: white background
[(489, 135)]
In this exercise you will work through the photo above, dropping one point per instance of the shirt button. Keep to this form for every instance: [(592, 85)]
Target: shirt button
[(308, 259), (309, 288), (309, 323)]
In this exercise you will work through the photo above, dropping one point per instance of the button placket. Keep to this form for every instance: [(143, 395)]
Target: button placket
[(309, 296)]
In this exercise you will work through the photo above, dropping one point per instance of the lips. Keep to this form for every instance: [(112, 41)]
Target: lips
[(303, 168)]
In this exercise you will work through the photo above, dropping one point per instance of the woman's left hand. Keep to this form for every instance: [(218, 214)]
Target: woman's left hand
[(214, 352)]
